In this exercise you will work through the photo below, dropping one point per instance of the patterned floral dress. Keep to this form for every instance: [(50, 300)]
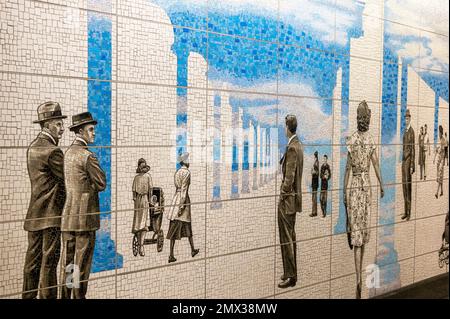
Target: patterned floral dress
[(361, 146), (440, 163)]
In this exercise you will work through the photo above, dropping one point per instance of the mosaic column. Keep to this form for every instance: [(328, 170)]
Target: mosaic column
[(235, 167), (251, 152), (262, 154), (99, 104), (256, 156), (217, 149), (245, 154)]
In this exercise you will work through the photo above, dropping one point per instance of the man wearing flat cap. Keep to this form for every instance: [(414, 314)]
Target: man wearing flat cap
[(408, 164), (45, 162), (180, 210), (80, 218)]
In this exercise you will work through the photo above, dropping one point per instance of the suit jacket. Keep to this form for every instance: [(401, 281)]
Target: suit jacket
[(315, 176), (409, 148), (84, 180), (325, 169), (181, 208), (292, 169), (45, 168)]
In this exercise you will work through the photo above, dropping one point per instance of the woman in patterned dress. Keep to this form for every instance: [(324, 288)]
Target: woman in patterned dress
[(440, 151), (361, 152)]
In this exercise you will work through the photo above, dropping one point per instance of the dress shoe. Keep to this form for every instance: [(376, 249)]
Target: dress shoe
[(436, 195), (312, 215), (172, 259), (290, 282), (404, 216), (283, 278), (195, 252)]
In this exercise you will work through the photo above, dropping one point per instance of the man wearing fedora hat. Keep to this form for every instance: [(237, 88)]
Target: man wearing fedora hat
[(80, 218), (45, 162), (408, 164), (180, 210)]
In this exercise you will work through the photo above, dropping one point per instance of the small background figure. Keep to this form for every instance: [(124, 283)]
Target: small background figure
[(440, 152), (325, 175), (422, 153), (315, 183), (408, 164), (142, 192), (180, 210), (446, 149)]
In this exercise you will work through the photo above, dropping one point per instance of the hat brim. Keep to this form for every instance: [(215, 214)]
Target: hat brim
[(50, 118), (183, 159), (73, 127)]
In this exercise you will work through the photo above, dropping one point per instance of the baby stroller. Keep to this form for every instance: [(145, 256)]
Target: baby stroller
[(156, 211), (443, 251)]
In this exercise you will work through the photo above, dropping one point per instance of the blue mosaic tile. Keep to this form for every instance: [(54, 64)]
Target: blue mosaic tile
[(241, 62), (251, 19), (185, 13), (313, 68)]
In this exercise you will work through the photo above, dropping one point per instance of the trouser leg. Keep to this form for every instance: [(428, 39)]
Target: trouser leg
[(323, 201), (286, 226), (84, 251), (32, 267), (50, 256), (314, 203), (67, 264), (406, 185)]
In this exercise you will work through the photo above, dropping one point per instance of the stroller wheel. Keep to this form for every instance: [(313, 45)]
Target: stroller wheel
[(135, 245)]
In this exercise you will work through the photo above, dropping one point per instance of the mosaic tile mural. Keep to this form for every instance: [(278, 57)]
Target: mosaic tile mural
[(217, 80)]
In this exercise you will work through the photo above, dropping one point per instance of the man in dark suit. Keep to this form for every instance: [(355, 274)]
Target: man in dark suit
[(408, 164), (80, 217), (325, 175), (45, 169), (290, 202)]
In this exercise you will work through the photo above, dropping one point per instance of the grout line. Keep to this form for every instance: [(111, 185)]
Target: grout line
[(305, 240), (236, 91), (207, 28), (206, 156), (223, 200), (277, 121), (193, 145), (213, 257), (333, 115), (351, 274), (116, 153)]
